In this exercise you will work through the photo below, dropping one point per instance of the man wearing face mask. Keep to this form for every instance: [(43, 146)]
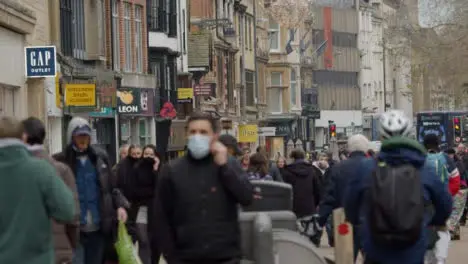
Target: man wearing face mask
[(100, 202), (196, 212)]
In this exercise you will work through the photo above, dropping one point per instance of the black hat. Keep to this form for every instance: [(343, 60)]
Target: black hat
[(230, 142)]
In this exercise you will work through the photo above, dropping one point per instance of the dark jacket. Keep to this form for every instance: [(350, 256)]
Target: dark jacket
[(324, 178), (397, 151), (196, 210), (125, 177), (111, 197), (65, 236), (306, 187), (336, 185), (31, 194)]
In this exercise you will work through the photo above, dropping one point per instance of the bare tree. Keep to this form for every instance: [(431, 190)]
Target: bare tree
[(438, 47)]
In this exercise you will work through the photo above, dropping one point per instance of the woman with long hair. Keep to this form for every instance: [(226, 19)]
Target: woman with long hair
[(258, 168)]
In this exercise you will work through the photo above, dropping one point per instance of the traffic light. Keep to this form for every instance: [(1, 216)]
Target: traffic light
[(332, 130), (457, 132)]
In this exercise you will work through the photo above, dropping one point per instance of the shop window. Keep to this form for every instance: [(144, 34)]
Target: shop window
[(143, 132)]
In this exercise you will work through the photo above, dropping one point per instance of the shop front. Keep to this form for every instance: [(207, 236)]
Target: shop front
[(277, 138), (177, 139), (135, 107)]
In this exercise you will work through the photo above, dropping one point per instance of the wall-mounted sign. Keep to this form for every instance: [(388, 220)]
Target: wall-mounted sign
[(80, 94), (105, 112), (184, 95), (168, 111), (128, 101), (40, 61), (267, 131), (248, 133), (203, 89)]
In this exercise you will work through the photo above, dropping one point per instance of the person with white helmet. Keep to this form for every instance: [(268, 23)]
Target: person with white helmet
[(390, 196)]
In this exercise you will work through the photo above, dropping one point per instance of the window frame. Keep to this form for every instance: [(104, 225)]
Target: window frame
[(139, 38), (147, 135), (127, 21), (279, 91), (250, 87), (153, 15), (293, 87), (274, 31), (115, 13)]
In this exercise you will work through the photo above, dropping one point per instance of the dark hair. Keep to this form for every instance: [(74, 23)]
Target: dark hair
[(131, 147), (431, 142), (196, 116), (258, 164), (451, 151), (153, 147), (34, 130), (297, 154)]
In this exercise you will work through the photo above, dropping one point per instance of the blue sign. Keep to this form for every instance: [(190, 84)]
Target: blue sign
[(40, 61)]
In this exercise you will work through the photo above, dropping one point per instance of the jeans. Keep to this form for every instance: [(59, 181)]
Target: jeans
[(91, 248)]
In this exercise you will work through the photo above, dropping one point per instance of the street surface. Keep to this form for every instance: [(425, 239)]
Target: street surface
[(458, 252)]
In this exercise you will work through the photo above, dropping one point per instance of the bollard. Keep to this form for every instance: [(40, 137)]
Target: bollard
[(343, 230), (263, 239)]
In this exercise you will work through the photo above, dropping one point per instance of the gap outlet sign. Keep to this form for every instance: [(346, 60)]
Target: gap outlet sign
[(40, 61)]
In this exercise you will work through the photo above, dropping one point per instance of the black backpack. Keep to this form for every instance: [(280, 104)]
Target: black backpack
[(396, 206)]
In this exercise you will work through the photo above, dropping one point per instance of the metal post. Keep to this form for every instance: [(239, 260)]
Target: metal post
[(243, 85), (384, 59)]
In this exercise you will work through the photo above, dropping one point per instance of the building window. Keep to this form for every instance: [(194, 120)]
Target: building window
[(250, 86), (115, 35), (139, 38), (66, 27), (154, 15), (158, 70), (184, 26), (274, 32), (172, 18), (7, 100), (275, 93), (79, 41), (128, 37), (293, 87)]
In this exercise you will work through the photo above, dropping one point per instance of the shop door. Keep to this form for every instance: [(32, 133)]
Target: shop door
[(105, 136)]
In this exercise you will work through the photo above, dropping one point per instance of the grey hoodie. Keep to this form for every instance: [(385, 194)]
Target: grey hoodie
[(74, 123)]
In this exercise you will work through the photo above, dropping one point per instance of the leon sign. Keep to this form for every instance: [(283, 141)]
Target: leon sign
[(128, 101)]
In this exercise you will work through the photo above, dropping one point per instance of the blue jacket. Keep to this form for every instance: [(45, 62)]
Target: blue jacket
[(397, 151), (337, 184)]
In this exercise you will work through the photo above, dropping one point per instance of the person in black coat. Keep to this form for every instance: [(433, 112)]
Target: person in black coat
[(338, 179)]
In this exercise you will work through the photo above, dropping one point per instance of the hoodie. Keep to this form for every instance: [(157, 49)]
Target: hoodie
[(306, 187), (397, 151)]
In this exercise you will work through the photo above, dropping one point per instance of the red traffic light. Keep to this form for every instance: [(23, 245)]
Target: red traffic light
[(332, 128), (456, 120)]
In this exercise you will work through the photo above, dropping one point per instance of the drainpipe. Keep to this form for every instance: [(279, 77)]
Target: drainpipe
[(244, 88), (255, 53)]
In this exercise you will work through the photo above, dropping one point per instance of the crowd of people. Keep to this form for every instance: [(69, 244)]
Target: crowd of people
[(65, 208)]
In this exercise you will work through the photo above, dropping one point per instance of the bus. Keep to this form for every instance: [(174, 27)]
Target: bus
[(440, 123)]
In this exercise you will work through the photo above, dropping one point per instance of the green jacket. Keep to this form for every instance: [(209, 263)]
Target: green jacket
[(30, 195)]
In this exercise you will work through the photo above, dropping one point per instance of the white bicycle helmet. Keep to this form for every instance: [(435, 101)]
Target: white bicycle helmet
[(394, 123)]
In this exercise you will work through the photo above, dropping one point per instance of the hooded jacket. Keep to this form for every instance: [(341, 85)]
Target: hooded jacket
[(306, 187), (397, 151), (31, 194), (110, 197), (65, 236)]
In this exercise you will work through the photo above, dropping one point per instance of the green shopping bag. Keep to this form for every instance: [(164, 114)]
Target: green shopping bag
[(127, 252)]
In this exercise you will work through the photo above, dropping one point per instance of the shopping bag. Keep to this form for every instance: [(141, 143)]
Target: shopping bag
[(126, 251)]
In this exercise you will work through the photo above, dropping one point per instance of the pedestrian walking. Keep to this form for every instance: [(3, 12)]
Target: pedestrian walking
[(65, 235), (101, 204), (273, 169), (31, 193), (338, 182), (197, 197), (258, 168), (306, 186), (388, 198)]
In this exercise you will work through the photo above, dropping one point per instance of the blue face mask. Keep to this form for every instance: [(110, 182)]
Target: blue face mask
[(199, 146)]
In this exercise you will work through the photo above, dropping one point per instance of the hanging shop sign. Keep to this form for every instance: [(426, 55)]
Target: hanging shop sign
[(184, 95), (80, 94), (128, 101), (40, 61), (248, 133)]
